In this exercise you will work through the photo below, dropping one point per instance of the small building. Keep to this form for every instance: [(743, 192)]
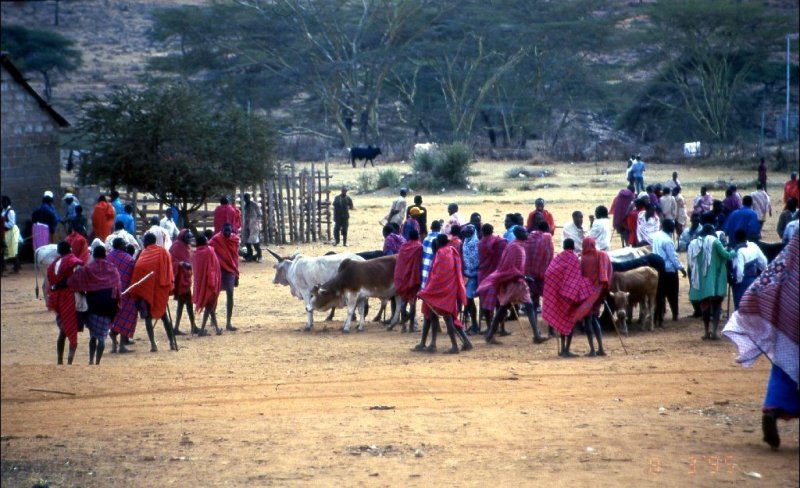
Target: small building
[(29, 143)]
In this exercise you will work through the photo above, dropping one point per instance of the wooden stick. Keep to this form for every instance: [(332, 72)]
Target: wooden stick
[(146, 277), (52, 391), (614, 321), (519, 322)]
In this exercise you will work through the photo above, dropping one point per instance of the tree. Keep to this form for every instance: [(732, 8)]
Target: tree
[(43, 52), (171, 142)]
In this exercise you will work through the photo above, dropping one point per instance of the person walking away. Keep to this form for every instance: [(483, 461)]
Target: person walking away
[(207, 283), (103, 217), (342, 205), (79, 219), (226, 213), (664, 246), (732, 201), (411, 223), (408, 278), (252, 229), (595, 267), (762, 174), (77, 241), (767, 322), (45, 219), (167, 223), (153, 293), (116, 202), (690, 233), (490, 250), (69, 210), (619, 209), (680, 210), (62, 301), (226, 246), (749, 262), (10, 250), (427, 250), (668, 204), (126, 218), (789, 213), (422, 218), (100, 281), (397, 212), (637, 173), (574, 230), (790, 188), (539, 253), (744, 218), (181, 254), (761, 205), (124, 323), (709, 283), (600, 228)]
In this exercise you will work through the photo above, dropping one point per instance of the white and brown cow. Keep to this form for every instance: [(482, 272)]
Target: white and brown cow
[(354, 283), (637, 286)]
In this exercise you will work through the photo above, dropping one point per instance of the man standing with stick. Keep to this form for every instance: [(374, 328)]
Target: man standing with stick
[(153, 293), (226, 245)]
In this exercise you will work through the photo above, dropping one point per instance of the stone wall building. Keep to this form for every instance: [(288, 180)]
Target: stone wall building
[(29, 142)]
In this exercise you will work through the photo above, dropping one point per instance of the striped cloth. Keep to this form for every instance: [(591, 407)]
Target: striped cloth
[(124, 322), (98, 326), (566, 293), (427, 256), (62, 300), (490, 250), (446, 294), (41, 235), (407, 271), (508, 280)]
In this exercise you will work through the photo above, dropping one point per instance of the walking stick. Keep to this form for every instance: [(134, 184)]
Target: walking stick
[(145, 278), (519, 322), (616, 329), (728, 308)]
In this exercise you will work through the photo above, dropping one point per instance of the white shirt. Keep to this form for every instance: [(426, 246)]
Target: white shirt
[(399, 205), (761, 204), (601, 233), (646, 228), (672, 184), (746, 254), (669, 207), (789, 231), (169, 226), (571, 231), (162, 238), (10, 216), (125, 236)]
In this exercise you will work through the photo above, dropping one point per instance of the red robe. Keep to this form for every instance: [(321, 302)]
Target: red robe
[(490, 250), (227, 249), (790, 190), (408, 270), (103, 220), (227, 214), (79, 246), (181, 253), (508, 280), (566, 293), (207, 278), (156, 289), (444, 291), (62, 301), (596, 267)]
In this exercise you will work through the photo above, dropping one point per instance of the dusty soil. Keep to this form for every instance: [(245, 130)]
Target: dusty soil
[(270, 405)]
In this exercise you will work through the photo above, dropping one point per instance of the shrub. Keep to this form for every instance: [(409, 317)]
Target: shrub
[(387, 178), (365, 183), (446, 168)]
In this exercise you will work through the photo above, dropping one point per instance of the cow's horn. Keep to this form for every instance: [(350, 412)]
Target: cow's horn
[(274, 255)]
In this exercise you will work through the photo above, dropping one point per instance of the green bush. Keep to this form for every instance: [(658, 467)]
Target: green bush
[(365, 183), (387, 178), (446, 168)]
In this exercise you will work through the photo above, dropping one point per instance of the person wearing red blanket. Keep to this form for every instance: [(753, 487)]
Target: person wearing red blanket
[(490, 250), (207, 283), (538, 255), (226, 245), (566, 295), (153, 293), (181, 254), (100, 281), (103, 218), (124, 323), (77, 241), (509, 282), (61, 300), (226, 213), (444, 294), (408, 277), (596, 267)]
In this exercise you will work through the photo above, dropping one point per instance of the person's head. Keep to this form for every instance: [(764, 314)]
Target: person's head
[(149, 239), (729, 191), (791, 204), (247, 197), (6, 201), (227, 230), (130, 249), (519, 219), (716, 206), (544, 226), (650, 211), (413, 235), (475, 219), (509, 221), (436, 225), (118, 225), (703, 190), (601, 212), (569, 245), (641, 203), (223, 200), (118, 244), (793, 176), (80, 230), (577, 218), (209, 233), (695, 219), (186, 236), (676, 191), (747, 201), (101, 198), (487, 230), (114, 195), (47, 197), (153, 220), (395, 227), (668, 226), (455, 230), (69, 198), (441, 241), (666, 191), (200, 240), (520, 233), (740, 235), (452, 208), (759, 186), (99, 252), (674, 175), (539, 204), (467, 231), (403, 192), (128, 209), (387, 229), (631, 188), (649, 189), (417, 199), (708, 230), (78, 210), (63, 248)]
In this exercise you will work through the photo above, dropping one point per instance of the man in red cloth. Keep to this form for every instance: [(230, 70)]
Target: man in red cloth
[(566, 295), (226, 245), (61, 300), (619, 209), (444, 294), (539, 252), (77, 241), (790, 188), (153, 292), (408, 277), (490, 250), (124, 322), (509, 282), (207, 283), (103, 218), (226, 213), (181, 254), (596, 267)]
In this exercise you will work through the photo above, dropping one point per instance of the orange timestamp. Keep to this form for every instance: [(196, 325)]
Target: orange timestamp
[(699, 465)]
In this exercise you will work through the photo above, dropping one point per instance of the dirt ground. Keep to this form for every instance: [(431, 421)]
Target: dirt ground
[(270, 405)]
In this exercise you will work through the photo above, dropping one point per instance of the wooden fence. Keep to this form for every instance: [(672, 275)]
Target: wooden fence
[(295, 206)]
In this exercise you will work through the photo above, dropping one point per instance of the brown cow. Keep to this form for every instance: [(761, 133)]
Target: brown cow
[(355, 282), (637, 286)]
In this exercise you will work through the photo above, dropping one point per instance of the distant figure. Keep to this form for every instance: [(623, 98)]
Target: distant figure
[(168, 224), (45, 219), (181, 254), (574, 230), (789, 213), (619, 209), (251, 232), (69, 209), (762, 173), (126, 217), (162, 236), (10, 244), (761, 204), (226, 213), (103, 217), (153, 292), (119, 207), (226, 246), (342, 205), (540, 214), (397, 212), (702, 202), (790, 189), (637, 173), (673, 182), (600, 229), (422, 218), (680, 210), (748, 264), (454, 219)]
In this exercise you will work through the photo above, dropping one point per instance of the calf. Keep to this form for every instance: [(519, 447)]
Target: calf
[(637, 286), (366, 153), (355, 282)]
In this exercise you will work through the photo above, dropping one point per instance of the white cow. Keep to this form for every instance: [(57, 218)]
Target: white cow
[(42, 258), (424, 147), (301, 274), (628, 253)]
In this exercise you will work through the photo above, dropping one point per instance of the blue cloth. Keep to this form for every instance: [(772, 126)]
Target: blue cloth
[(98, 326), (509, 235), (637, 169), (740, 288), (665, 247), (127, 221), (119, 208), (427, 256), (782, 393), (743, 218), (471, 286), (46, 214)]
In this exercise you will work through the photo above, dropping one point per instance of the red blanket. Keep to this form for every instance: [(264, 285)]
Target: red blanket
[(444, 291), (227, 249), (566, 293), (509, 278), (103, 220), (62, 301), (408, 270), (596, 267), (156, 289), (619, 207), (490, 250), (181, 253), (100, 274), (539, 253), (227, 214), (79, 247), (207, 278)]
